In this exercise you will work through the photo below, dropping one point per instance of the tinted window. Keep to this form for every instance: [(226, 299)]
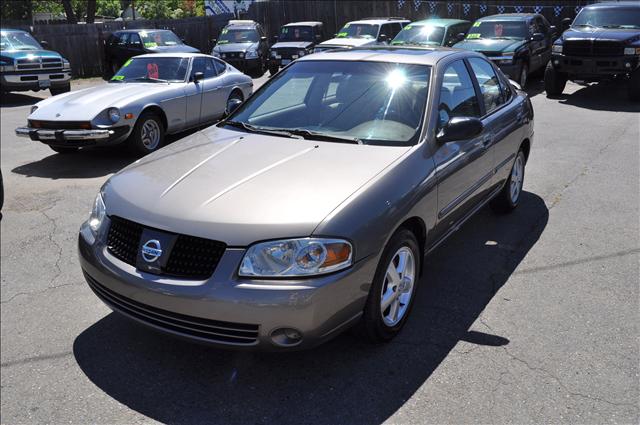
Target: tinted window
[(386, 30), (220, 66), (159, 38), (498, 29), (229, 35), (358, 31), (123, 39), (609, 17), (134, 40), (492, 94), (297, 33), (457, 95)]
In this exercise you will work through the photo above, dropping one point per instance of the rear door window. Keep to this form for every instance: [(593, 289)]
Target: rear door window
[(492, 93)]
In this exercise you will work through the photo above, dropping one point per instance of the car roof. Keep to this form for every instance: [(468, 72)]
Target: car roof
[(392, 54), (509, 17), (440, 22), (303, 24), (378, 21), (142, 30), (174, 55), (613, 4)]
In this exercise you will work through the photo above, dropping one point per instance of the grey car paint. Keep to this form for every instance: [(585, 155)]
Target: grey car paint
[(237, 187), (182, 103)]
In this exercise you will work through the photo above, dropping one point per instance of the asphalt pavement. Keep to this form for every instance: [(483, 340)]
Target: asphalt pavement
[(530, 317)]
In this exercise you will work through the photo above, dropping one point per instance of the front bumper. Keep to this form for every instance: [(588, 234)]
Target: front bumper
[(594, 67), (74, 137), (280, 60), (241, 63), (227, 310), (25, 81)]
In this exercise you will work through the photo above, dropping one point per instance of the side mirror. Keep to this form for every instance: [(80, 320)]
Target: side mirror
[(537, 36), (214, 41), (553, 29), (461, 36), (44, 44), (263, 38), (382, 38), (460, 128), (198, 76), (232, 105), (565, 24)]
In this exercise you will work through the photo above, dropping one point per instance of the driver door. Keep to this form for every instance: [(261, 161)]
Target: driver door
[(213, 93), (193, 93)]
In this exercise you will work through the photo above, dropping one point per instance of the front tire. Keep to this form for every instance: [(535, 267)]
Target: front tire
[(393, 289), (147, 135), (509, 197), (60, 89), (554, 81), (273, 70)]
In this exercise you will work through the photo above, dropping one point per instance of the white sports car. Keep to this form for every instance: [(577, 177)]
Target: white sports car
[(150, 96)]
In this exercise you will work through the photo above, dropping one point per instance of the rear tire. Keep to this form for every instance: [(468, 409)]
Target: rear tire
[(634, 86), (60, 89), (147, 135), (509, 197), (273, 70), (391, 294), (63, 150), (554, 81)]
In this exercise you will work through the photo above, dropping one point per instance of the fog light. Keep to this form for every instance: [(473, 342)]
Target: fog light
[(556, 62), (286, 337), (627, 65)]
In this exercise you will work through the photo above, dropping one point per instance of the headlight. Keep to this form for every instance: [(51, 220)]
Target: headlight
[(33, 109), (632, 50), (98, 214), (6, 66), (251, 54), (556, 48), (66, 65), (114, 115), (302, 53), (296, 257)]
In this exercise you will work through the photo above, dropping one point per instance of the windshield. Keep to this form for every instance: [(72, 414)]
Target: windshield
[(358, 31), (296, 34), (159, 39), (238, 36), (615, 17), (498, 29), (152, 69), (18, 41), (370, 102), (420, 34)]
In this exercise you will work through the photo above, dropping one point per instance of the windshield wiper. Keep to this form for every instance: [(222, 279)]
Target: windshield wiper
[(254, 129), (314, 135), (584, 25), (147, 78)]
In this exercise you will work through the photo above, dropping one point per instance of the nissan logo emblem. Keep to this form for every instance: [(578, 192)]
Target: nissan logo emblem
[(151, 250)]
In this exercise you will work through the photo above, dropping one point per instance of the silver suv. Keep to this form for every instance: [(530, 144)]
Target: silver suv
[(366, 32)]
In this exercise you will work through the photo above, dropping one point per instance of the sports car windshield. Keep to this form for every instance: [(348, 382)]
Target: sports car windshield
[(342, 101), (238, 36), (18, 41), (152, 69), (615, 17), (296, 34), (152, 39), (419, 34), (358, 31), (499, 29)]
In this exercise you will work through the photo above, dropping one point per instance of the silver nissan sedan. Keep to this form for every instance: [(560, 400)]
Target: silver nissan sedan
[(310, 208)]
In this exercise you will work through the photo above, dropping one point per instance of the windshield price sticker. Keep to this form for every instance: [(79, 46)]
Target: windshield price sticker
[(472, 36), (150, 44), (117, 77), (342, 34), (127, 63), (476, 24)]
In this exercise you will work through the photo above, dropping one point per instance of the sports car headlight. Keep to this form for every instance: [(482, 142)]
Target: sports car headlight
[(251, 54), (296, 257), (98, 214), (114, 115), (556, 48)]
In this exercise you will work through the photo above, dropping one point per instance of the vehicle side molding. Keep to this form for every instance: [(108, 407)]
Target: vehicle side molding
[(460, 128)]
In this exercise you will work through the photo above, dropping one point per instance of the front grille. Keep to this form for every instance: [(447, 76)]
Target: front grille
[(286, 53), (60, 125), (232, 55), (207, 329), (590, 48), (191, 257), (37, 63)]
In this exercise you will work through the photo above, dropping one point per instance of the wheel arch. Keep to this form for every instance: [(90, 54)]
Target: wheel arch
[(416, 226), (526, 149), (158, 111)]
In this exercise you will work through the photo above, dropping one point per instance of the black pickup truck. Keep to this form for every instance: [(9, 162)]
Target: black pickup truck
[(602, 43)]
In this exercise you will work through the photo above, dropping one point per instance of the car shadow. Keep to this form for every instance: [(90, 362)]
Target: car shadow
[(12, 100), (535, 86), (604, 96), (342, 381)]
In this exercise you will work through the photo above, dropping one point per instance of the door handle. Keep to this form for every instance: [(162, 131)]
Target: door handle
[(487, 140)]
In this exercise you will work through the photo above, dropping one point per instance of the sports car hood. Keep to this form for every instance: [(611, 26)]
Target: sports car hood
[(84, 105), (234, 47), (292, 45), (348, 42), (589, 33), (179, 48), (497, 45), (241, 187)]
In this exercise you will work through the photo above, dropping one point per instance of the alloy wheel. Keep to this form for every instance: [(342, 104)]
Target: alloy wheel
[(398, 286), (150, 134), (517, 174)]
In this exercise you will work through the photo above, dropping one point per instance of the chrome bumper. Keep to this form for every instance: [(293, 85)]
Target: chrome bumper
[(44, 134)]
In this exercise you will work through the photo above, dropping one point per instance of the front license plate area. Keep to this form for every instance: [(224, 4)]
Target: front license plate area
[(154, 249), (44, 84)]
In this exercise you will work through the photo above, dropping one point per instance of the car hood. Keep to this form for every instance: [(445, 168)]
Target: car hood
[(25, 54), (349, 42), (240, 187), (234, 47), (292, 45), (587, 33), (84, 105), (490, 45), (180, 48)]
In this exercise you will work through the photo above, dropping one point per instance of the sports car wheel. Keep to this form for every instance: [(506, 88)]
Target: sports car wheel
[(147, 135), (508, 198), (393, 288)]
